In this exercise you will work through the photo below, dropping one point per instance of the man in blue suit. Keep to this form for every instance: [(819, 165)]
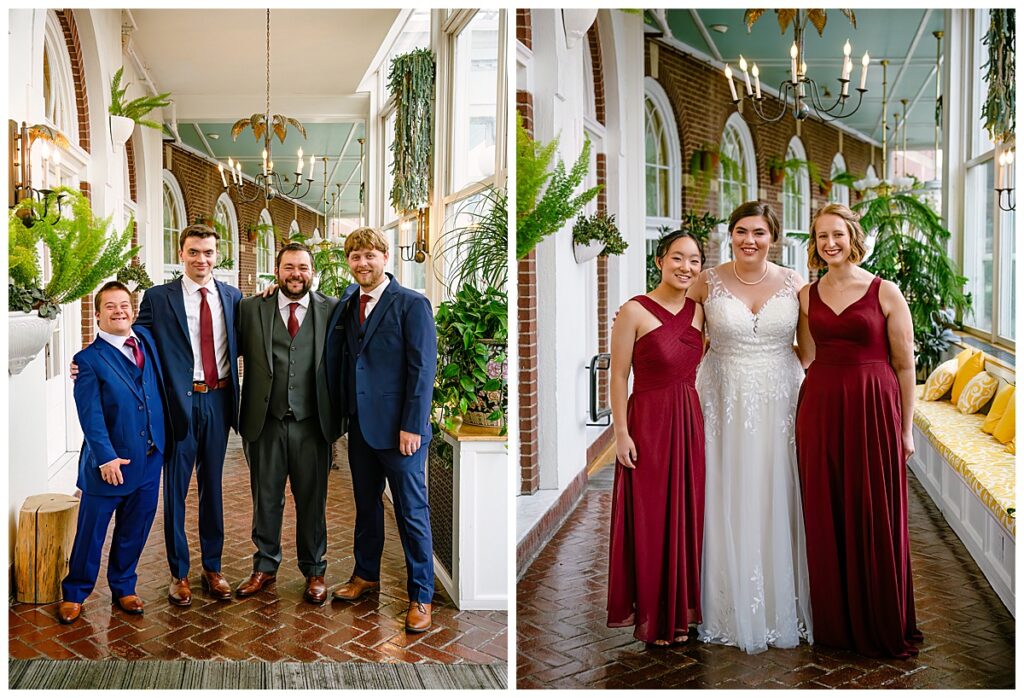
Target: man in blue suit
[(384, 340), (193, 323), (119, 395)]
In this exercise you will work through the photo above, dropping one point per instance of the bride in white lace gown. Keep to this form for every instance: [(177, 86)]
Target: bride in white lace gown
[(755, 588)]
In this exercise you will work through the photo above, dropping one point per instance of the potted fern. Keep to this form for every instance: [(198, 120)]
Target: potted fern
[(124, 115), (596, 235)]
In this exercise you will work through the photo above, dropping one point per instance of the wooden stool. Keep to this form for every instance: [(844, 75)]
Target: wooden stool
[(46, 532)]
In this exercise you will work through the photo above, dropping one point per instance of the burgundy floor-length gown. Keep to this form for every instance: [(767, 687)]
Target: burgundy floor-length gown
[(854, 483), (657, 523)]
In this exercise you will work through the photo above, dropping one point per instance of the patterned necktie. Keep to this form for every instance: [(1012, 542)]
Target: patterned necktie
[(364, 300), (140, 359), (206, 350), (293, 322)]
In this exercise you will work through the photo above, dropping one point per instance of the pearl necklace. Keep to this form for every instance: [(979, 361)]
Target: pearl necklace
[(750, 283)]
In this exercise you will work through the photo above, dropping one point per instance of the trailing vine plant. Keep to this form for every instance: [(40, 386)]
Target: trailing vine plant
[(411, 83), (999, 109)]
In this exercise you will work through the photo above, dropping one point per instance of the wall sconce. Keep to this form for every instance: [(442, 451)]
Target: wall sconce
[(1005, 179), (418, 251), (19, 170)]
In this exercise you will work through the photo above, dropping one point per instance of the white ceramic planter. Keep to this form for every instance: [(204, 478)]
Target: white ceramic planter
[(27, 334), (577, 23), (121, 128), (585, 253)]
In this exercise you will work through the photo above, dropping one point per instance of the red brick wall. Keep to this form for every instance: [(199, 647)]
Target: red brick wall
[(603, 343), (702, 104), (524, 27), (529, 465), (201, 186), (88, 320), (595, 61), (67, 23)]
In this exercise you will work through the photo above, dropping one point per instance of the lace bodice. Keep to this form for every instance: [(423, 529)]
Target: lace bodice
[(734, 330)]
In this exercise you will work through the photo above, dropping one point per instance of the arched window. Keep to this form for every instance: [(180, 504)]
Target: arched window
[(796, 209), (224, 216), (264, 251), (293, 229), (737, 170), (174, 221), (59, 100), (840, 193), (662, 160)]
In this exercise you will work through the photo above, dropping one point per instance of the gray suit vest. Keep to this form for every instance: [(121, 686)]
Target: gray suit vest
[(294, 386)]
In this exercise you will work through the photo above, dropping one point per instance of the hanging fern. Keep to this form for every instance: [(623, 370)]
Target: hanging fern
[(411, 83), (1001, 101)]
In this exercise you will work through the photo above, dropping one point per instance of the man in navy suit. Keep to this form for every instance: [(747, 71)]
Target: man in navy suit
[(385, 342), (193, 323), (119, 395)]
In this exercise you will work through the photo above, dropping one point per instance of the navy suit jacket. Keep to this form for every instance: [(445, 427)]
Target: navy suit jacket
[(389, 365), (116, 413), (162, 312)]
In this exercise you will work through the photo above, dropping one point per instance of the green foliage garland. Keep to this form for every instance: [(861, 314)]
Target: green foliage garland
[(411, 83), (137, 108), (539, 216), (999, 109)]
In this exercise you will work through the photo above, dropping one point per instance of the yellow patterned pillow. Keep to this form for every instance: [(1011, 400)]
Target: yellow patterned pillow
[(940, 381), (967, 353), (1012, 446), (1003, 398), (965, 373), (1007, 427), (976, 394)]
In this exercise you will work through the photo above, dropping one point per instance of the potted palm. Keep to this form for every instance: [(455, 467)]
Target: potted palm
[(81, 255), (124, 115)]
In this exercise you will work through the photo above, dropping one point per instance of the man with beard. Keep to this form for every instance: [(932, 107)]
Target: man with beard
[(287, 422)]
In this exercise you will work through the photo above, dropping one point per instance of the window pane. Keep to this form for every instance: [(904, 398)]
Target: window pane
[(652, 191), (172, 227), (1008, 276), (226, 246), (978, 245), (475, 100)]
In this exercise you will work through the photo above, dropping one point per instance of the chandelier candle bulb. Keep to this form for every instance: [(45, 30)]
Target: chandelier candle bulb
[(864, 69), (792, 61), (312, 159), (746, 75), (298, 167), (732, 87), (238, 169), (846, 60), (757, 81), (223, 179)]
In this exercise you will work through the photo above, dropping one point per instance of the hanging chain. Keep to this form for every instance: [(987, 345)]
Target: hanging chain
[(268, 69)]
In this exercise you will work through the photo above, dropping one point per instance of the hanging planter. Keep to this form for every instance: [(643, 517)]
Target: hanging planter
[(595, 235), (411, 83), (27, 334), (577, 23), (121, 128)]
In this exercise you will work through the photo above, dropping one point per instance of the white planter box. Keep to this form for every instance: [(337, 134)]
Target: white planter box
[(585, 253), (121, 128), (27, 334), (577, 23)]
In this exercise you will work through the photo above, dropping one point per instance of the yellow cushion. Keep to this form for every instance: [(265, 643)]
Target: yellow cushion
[(1012, 446), (940, 381), (965, 373), (1007, 427), (1003, 398), (976, 394), (967, 353)]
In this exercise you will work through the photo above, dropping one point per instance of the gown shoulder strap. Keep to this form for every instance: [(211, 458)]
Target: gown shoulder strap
[(654, 308)]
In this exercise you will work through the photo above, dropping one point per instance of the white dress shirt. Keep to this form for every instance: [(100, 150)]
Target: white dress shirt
[(193, 298), (283, 303), (117, 341), (375, 295)]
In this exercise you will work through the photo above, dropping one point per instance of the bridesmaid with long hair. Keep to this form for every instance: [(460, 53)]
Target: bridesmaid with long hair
[(657, 523), (854, 437)]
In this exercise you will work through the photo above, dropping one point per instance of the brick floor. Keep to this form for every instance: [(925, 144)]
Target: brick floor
[(276, 625), (563, 642)]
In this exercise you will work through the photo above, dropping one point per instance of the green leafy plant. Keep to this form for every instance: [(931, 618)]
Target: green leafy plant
[(476, 252), (81, 251), (999, 109), (600, 227), (472, 333), (537, 215), (137, 108), (411, 84)]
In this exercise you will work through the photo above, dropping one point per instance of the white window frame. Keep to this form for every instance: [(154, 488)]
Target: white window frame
[(840, 193), (736, 125), (65, 117), (229, 276), (673, 159), (173, 266), (261, 250), (794, 251)]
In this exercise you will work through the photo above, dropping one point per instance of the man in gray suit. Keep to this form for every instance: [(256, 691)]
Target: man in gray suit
[(287, 422)]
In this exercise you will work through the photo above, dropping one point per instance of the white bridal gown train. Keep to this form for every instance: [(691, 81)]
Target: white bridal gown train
[(755, 589)]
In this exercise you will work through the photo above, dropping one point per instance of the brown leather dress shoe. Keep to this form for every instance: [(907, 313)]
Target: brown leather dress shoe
[(316, 590), (179, 592), (130, 604), (417, 620), (354, 588), (215, 585), (256, 582), (68, 612)]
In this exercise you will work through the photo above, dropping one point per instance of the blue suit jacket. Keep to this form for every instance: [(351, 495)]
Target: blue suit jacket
[(116, 414), (389, 367), (162, 312)]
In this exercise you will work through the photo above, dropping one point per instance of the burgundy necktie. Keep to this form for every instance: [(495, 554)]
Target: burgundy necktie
[(364, 300), (140, 359), (209, 354), (293, 322)]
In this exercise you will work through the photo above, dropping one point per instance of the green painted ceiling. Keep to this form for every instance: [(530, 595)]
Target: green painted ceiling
[(885, 34)]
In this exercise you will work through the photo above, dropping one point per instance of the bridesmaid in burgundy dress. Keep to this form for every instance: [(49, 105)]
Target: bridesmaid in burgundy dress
[(853, 438), (658, 499)]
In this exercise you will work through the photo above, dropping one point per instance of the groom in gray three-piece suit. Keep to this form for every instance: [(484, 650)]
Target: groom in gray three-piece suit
[(287, 422)]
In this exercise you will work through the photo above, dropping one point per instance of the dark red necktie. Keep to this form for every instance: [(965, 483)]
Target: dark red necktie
[(293, 322), (140, 359), (364, 300), (209, 354)]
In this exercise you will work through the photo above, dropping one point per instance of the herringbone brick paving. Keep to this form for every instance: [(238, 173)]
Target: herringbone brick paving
[(562, 641), (275, 625)]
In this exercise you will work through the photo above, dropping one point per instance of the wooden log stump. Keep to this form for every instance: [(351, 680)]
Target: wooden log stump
[(46, 532)]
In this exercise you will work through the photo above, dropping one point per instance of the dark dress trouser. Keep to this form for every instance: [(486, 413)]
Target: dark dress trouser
[(292, 450)]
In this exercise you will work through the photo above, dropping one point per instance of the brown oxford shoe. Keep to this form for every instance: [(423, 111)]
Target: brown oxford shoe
[(417, 620), (256, 582), (316, 590), (179, 592), (354, 588), (130, 604), (68, 612), (215, 585)]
